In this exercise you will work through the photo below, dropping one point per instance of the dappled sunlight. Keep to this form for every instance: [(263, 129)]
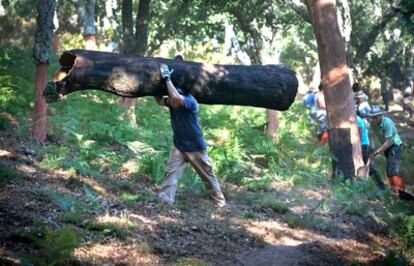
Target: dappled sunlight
[(121, 221), (6, 153), (122, 75), (140, 147), (208, 70), (26, 169), (116, 252)]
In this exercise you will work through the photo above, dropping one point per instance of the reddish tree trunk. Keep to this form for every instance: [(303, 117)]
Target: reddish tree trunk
[(42, 46), (40, 108), (344, 138)]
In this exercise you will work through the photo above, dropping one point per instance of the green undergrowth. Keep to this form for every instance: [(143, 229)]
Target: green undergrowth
[(8, 175), (90, 138)]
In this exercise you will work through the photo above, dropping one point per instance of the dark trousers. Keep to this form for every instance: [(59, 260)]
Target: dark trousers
[(385, 99), (393, 155), (366, 153)]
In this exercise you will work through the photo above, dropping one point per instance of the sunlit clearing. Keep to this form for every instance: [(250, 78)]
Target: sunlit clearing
[(26, 168), (123, 221), (131, 166)]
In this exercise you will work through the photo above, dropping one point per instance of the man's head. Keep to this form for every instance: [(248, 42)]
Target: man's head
[(375, 114), (359, 97), (321, 86), (179, 57), (356, 87)]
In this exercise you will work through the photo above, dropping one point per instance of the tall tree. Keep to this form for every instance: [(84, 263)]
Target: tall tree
[(344, 138), (86, 15), (246, 18), (41, 53), (137, 45)]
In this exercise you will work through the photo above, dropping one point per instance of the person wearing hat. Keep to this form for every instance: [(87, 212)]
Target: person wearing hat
[(367, 152), (189, 145), (391, 147), (362, 104)]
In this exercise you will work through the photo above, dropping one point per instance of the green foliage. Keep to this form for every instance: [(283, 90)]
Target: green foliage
[(354, 198), (298, 221), (249, 215), (109, 229), (57, 247), (403, 227), (190, 262), (392, 258), (7, 174), (276, 206), (4, 121), (140, 197)]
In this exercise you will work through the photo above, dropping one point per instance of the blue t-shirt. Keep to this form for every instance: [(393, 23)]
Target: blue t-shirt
[(364, 131), (188, 136), (309, 99)]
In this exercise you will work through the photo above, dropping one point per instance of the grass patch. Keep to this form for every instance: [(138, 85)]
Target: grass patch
[(7, 175), (190, 262), (276, 206), (298, 221), (130, 199), (258, 185), (76, 217), (249, 215), (115, 226), (143, 248)]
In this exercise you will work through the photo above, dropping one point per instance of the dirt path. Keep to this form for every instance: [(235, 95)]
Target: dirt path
[(254, 229)]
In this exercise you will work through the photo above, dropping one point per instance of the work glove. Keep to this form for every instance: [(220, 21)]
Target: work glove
[(166, 72)]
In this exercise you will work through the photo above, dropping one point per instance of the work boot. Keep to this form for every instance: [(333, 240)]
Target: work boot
[(397, 183)]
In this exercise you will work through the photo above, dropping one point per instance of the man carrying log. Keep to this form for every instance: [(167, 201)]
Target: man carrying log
[(189, 145)]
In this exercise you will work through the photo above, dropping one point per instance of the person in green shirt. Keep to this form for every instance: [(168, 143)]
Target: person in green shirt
[(391, 147)]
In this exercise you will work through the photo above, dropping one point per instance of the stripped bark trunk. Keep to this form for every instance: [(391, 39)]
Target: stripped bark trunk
[(344, 139), (40, 107), (41, 49), (269, 86)]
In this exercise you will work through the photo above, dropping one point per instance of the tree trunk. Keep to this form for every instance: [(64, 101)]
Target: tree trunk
[(86, 15), (345, 23), (141, 27), (256, 54), (139, 47), (127, 28), (56, 43), (40, 107), (344, 138), (272, 124), (269, 86), (42, 46)]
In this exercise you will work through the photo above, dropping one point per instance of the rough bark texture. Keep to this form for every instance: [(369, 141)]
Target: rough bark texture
[(269, 86), (344, 138), (41, 53), (127, 28), (86, 15), (44, 32), (139, 47), (141, 27)]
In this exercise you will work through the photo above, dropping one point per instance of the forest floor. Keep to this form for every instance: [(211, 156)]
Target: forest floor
[(276, 224)]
